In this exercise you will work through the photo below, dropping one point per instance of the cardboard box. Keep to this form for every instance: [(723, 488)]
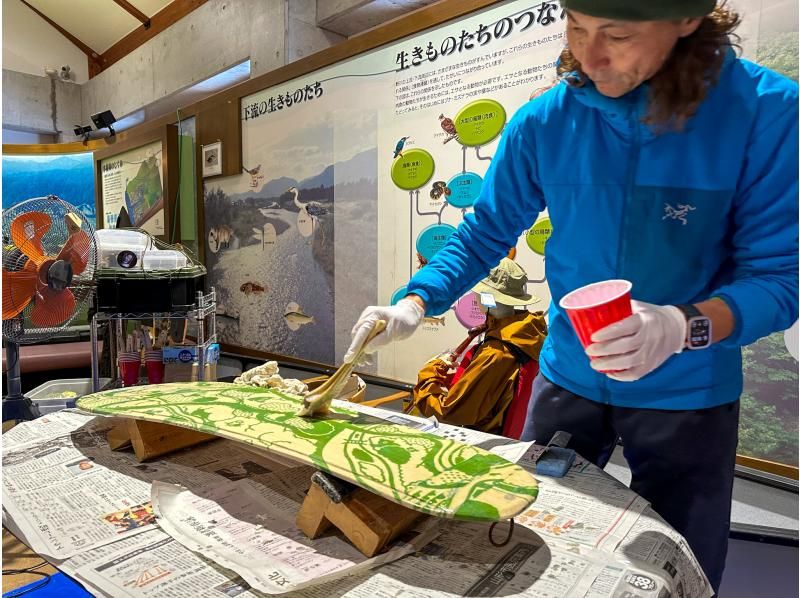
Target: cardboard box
[(181, 372), (181, 365)]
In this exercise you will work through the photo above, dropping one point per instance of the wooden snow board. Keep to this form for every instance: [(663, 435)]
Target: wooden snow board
[(434, 475)]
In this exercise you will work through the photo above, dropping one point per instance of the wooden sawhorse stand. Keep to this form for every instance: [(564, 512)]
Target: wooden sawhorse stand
[(151, 439), (369, 521)]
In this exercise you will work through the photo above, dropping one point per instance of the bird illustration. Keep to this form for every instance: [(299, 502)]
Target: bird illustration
[(312, 208), (398, 149), (255, 175), (448, 126)]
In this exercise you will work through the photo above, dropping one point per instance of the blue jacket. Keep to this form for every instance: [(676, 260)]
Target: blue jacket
[(608, 183)]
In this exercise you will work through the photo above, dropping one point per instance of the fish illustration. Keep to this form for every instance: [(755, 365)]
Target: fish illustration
[(421, 261), (434, 320), (295, 317), (249, 288)]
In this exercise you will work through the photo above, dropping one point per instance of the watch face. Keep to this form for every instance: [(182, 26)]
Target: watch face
[(699, 332)]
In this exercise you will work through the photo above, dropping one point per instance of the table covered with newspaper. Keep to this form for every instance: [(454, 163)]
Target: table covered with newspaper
[(217, 520)]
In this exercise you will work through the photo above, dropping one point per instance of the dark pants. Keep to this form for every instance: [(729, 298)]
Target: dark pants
[(681, 461)]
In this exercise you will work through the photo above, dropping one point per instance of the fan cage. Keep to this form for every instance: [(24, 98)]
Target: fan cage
[(21, 329)]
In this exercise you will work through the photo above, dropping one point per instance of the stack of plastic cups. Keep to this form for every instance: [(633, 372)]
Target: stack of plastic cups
[(154, 363), (596, 306), (129, 363)]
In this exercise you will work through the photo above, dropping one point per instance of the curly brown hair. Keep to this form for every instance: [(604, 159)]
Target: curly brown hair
[(679, 87)]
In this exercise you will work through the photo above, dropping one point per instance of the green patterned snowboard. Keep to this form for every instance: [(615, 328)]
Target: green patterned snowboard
[(435, 475)]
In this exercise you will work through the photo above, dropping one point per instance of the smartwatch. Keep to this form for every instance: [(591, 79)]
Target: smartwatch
[(698, 327)]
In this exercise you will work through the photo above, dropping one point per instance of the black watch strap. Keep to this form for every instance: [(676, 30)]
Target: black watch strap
[(689, 311)]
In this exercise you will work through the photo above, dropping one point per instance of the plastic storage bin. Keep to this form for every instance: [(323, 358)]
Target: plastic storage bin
[(166, 259), (120, 249), (49, 396), (143, 292)]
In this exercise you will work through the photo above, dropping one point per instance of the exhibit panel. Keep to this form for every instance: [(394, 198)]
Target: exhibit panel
[(356, 174), (133, 180), (69, 176)]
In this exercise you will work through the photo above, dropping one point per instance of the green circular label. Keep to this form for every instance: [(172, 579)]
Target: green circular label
[(538, 234), (412, 169), (479, 122)]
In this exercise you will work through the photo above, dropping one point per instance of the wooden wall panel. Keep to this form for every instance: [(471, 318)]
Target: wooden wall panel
[(222, 123)]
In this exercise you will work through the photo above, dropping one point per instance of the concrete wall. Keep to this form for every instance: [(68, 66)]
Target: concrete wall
[(212, 38), (219, 34), (305, 38), (349, 17), (30, 44), (40, 104)]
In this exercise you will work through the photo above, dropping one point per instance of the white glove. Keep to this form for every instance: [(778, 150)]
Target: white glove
[(402, 319), (632, 348)]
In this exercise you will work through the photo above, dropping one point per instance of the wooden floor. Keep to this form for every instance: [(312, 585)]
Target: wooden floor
[(18, 556)]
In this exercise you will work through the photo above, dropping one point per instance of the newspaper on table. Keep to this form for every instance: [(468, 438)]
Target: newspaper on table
[(461, 562), (586, 535), (68, 492), (152, 564), (48, 426), (250, 529), (653, 542)]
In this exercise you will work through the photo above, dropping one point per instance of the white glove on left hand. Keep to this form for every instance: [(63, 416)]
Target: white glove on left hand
[(632, 348)]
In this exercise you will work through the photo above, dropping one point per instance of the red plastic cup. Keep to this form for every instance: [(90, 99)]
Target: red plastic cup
[(154, 364), (597, 305), (129, 364)]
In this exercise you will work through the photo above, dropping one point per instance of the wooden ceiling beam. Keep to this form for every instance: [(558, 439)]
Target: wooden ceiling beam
[(167, 16), (138, 14), (83, 47), (92, 57)]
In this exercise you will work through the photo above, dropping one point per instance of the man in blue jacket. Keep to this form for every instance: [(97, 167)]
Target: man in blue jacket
[(662, 159)]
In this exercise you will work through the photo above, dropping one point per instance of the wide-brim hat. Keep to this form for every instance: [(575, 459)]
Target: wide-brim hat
[(506, 283)]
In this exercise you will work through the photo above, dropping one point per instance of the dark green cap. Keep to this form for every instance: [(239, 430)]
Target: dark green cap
[(641, 10)]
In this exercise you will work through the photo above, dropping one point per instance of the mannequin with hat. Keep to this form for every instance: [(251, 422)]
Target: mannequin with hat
[(479, 393)]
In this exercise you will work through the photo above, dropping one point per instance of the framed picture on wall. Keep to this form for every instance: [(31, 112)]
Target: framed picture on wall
[(136, 180), (212, 159)]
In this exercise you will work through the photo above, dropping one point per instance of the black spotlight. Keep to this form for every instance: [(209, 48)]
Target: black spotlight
[(104, 120), (82, 131)]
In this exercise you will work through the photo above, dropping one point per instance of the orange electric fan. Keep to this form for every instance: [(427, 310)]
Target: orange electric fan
[(49, 257)]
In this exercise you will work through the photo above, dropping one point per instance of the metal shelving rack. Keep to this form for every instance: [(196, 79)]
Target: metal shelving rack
[(202, 313)]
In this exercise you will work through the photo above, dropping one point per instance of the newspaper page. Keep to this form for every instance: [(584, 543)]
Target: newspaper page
[(64, 499), (253, 532), (152, 564), (655, 543), (48, 426), (461, 562), (587, 508), (68, 493)]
